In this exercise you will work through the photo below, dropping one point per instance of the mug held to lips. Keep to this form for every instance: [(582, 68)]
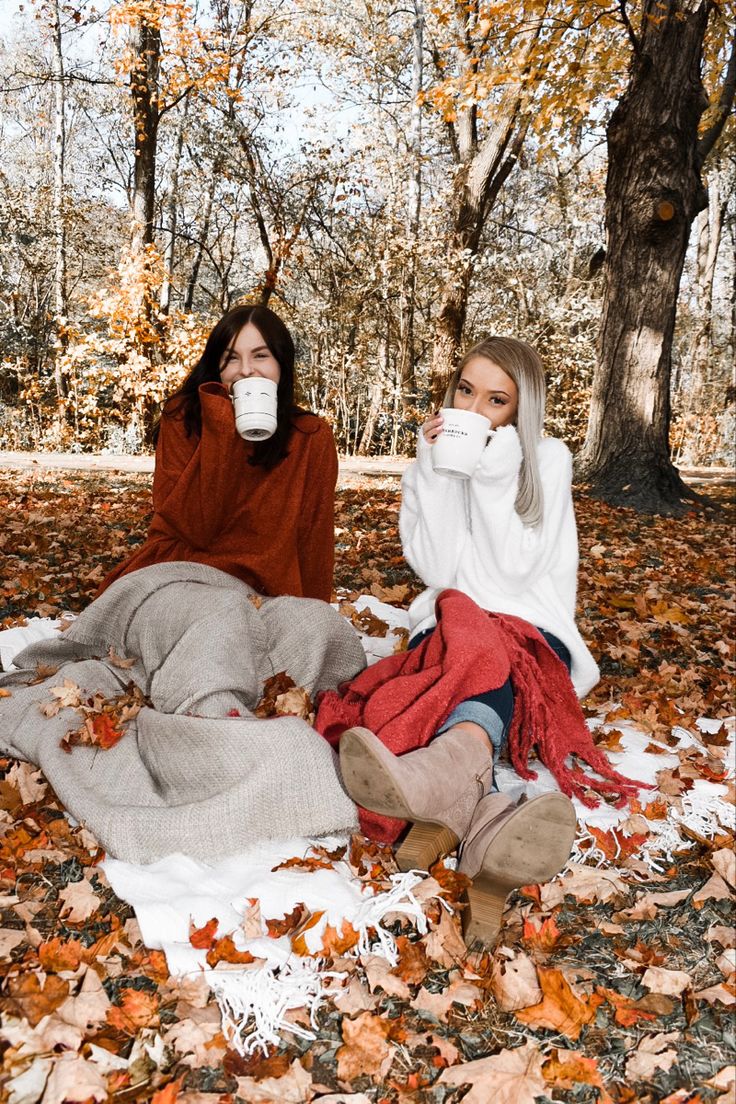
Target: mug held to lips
[(459, 447), (255, 402)]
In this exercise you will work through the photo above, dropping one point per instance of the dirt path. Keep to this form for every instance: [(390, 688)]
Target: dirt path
[(349, 465)]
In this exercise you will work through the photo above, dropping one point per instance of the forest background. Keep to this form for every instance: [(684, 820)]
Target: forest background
[(395, 181)]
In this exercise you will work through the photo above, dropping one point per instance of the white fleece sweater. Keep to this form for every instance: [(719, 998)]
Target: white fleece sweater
[(466, 534)]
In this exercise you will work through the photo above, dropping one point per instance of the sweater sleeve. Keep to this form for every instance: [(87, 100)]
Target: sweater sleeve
[(192, 476), (517, 554), (316, 532), (432, 520)]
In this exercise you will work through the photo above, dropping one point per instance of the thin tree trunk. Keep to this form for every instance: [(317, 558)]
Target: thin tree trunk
[(145, 40), (484, 168), (653, 192), (172, 212), (376, 397), (413, 212), (709, 241), (58, 213), (202, 243)]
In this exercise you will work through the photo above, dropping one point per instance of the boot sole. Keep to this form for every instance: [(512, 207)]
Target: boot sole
[(529, 849), (369, 782)]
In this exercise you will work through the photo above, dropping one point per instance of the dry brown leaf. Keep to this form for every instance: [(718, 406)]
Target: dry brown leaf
[(252, 924), (379, 974), (366, 1050), (72, 1078), (137, 1009), (33, 1000), (584, 883), (569, 1068), (719, 933), (511, 1077), (514, 982), (29, 782), (669, 982), (717, 994), (89, 1007), (118, 661), (652, 1054), (78, 902), (294, 1087), (714, 889), (724, 862), (647, 905), (561, 1009), (445, 944), (438, 1005)]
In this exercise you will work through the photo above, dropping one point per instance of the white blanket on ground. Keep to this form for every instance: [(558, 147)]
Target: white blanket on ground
[(178, 891)]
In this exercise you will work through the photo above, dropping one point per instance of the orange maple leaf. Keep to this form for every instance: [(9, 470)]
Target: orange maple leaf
[(104, 730), (58, 954), (289, 923), (224, 950), (627, 1014), (543, 938), (569, 1068), (560, 1010), (137, 1009), (203, 938), (336, 943)]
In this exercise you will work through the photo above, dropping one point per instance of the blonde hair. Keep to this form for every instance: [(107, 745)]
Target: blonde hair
[(522, 363)]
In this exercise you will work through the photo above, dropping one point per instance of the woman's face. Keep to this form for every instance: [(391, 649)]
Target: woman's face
[(484, 388), (248, 356)]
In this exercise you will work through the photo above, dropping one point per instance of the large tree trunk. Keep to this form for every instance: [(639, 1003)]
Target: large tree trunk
[(61, 307), (145, 41), (653, 192)]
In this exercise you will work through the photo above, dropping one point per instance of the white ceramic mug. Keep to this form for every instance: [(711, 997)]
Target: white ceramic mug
[(460, 445), (255, 405)]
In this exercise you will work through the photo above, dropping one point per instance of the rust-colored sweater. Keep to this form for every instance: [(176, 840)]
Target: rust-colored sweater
[(273, 529)]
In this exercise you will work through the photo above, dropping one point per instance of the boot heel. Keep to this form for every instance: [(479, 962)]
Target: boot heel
[(425, 843), (483, 917)]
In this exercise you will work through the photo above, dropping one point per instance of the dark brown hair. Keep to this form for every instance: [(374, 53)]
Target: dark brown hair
[(185, 402)]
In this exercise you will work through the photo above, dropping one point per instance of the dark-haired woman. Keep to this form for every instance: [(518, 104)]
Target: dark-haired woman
[(261, 511)]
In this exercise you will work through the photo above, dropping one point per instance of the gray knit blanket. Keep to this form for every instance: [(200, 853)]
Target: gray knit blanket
[(186, 776)]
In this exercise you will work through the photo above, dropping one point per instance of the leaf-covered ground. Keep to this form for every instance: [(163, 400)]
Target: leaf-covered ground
[(616, 984)]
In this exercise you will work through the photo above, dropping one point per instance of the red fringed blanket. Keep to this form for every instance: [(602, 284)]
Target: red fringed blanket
[(405, 698)]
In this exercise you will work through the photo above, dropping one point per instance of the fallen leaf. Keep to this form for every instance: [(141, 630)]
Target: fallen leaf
[(560, 1009), (514, 982), (137, 1009), (651, 1055), (203, 938), (511, 1077), (365, 1050), (224, 950), (569, 1068), (78, 902), (724, 862), (32, 1000), (56, 955), (669, 982), (714, 889)]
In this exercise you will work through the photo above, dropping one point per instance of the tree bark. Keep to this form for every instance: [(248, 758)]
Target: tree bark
[(172, 209), (145, 40), (654, 191), (483, 168), (58, 214), (413, 212), (203, 234)]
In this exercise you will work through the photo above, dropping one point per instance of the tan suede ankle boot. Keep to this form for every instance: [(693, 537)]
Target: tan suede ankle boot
[(508, 845), (436, 787)]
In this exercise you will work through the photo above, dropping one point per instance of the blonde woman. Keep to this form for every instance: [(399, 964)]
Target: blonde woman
[(504, 543)]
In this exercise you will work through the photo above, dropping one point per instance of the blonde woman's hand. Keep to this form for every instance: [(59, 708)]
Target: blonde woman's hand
[(432, 428)]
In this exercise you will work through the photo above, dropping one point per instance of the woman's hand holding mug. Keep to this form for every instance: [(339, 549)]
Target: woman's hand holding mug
[(432, 428)]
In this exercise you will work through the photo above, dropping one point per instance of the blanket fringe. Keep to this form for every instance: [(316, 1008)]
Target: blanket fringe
[(254, 1003)]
